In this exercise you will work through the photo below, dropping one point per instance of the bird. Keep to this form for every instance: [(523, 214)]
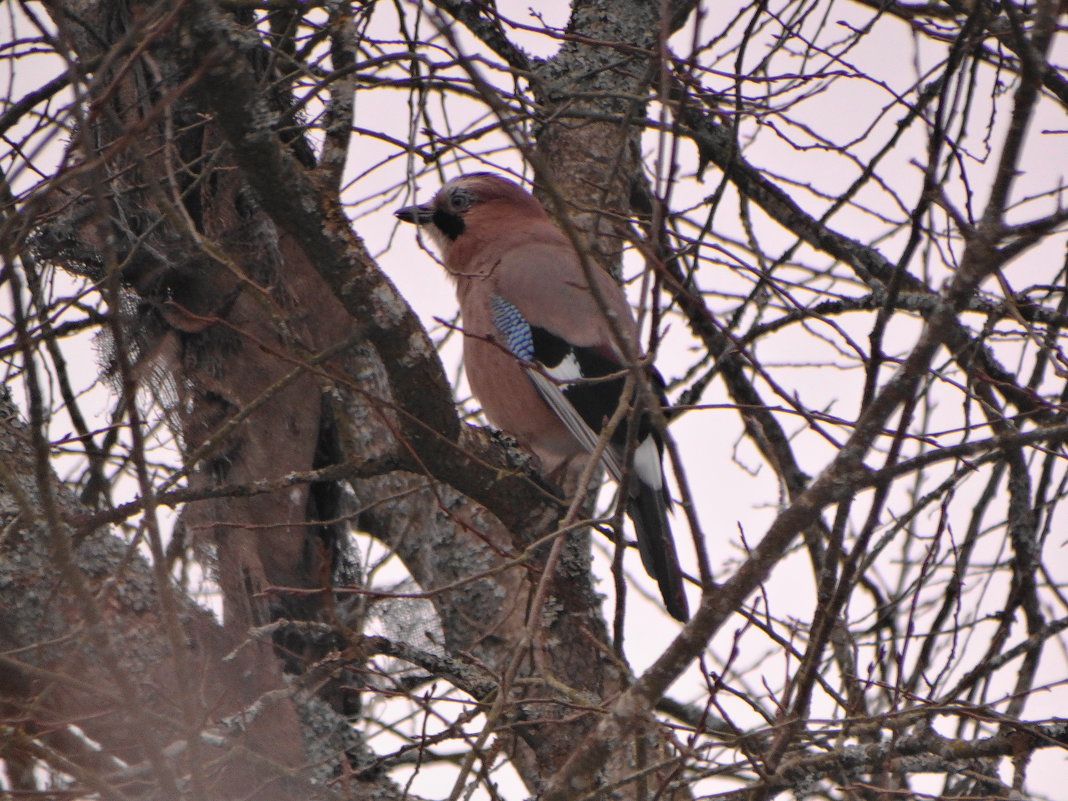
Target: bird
[(539, 350)]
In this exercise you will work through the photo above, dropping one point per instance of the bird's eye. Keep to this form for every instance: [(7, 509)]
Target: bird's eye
[(461, 199)]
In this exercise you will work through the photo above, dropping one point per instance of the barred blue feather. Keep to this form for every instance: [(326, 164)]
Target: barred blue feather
[(517, 334)]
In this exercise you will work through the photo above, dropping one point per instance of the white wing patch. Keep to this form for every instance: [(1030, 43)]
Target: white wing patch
[(567, 371)]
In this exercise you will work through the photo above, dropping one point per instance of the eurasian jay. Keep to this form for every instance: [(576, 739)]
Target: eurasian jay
[(539, 351)]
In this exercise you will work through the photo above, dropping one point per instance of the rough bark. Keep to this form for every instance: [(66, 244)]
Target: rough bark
[(85, 641)]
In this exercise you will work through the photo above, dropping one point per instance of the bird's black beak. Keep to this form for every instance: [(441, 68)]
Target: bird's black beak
[(420, 215)]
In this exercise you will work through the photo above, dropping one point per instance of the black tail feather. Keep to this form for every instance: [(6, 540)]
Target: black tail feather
[(647, 508)]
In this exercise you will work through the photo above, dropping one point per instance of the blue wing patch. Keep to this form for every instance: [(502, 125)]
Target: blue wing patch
[(516, 330)]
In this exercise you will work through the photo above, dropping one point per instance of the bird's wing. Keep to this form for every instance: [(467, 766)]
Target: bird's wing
[(561, 372), (557, 399)]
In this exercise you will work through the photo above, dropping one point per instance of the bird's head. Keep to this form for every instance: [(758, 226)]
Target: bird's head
[(469, 203)]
